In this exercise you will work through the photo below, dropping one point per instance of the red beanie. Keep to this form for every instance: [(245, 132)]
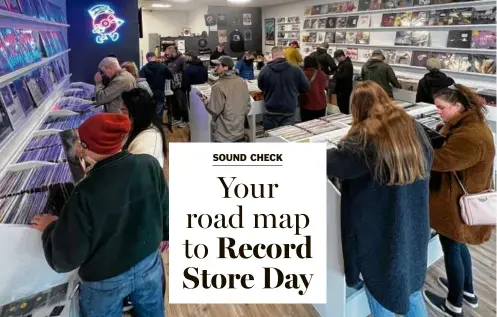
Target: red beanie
[(104, 133)]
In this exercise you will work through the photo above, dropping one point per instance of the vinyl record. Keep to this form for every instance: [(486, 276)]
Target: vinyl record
[(202, 43)]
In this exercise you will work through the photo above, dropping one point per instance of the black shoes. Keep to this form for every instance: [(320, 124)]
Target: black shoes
[(470, 299), (441, 305)]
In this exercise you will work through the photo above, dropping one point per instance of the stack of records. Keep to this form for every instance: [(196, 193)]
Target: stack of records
[(317, 126), (22, 208), (430, 122), (403, 104), (74, 104), (53, 154), (67, 123), (285, 131), (79, 93), (259, 131), (42, 142), (335, 117)]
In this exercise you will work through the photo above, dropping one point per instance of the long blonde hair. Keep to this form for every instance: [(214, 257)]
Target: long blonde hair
[(389, 132)]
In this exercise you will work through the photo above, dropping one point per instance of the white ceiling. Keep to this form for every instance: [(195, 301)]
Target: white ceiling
[(192, 4)]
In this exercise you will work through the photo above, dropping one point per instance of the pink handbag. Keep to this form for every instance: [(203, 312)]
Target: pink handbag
[(478, 209)]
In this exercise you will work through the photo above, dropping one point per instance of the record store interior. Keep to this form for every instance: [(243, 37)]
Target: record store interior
[(72, 72)]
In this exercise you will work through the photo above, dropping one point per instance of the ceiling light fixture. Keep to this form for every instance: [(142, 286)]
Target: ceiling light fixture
[(161, 5), (239, 1)]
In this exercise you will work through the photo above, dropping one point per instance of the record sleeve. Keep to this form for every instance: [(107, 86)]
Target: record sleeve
[(388, 19), (404, 3), (13, 106), (460, 63), (403, 57), (375, 4), (483, 39), (322, 23), (363, 54), (459, 39), (324, 9), (308, 10), (307, 24), (403, 38), (320, 37), (352, 53), (24, 96), (350, 6), (460, 16), (41, 9), (420, 38), (444, 59), (403, 19), (420, 18), (3, 5), (484, 16), (13, 6), (315, 24), (418, 3), (341, 23), (364, 21), (70, 141), (313, 37), (329, 37), (362, 38), (363, 5), (352, 21), (439, 17), (483, 64), (389, 4), (389, 56), (340, 37), (331, 22), (28, 8), (316, 10), (351, 37)]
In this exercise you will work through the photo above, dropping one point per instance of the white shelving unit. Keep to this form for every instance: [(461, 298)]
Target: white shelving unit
[(489, 27), (286, 39), (24, 269)]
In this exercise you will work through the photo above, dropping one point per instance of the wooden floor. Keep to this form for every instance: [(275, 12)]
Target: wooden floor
[(484, 270)]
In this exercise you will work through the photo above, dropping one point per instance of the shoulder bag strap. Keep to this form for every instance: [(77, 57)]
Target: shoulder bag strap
[(460, 183), (313, 76)]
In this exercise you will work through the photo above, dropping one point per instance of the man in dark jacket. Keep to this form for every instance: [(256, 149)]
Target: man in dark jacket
[(97, 231), (217, 53), (380, 72), (432, 82), (281, 83), (195, 72), (343, 78), (328, 65), (176, 63), (156, 75)]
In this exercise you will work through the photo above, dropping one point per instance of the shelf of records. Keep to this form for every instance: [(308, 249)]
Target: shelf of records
[(19, 51), (45, 165), (288, 30), (41, 12), (482, 65), (391, 6)]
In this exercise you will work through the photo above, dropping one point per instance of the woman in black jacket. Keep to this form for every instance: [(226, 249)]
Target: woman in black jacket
[(432, 82), (384, 164)]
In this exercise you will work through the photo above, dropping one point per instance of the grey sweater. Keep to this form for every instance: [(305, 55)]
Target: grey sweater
[(110, 96)]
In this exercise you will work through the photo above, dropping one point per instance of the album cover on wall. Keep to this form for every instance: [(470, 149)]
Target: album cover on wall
[(340, 37), (341, 23), (363, 5), (388, 19), (329, 37), (364, 21), (3, 5), (316, 10), (363, 54), (324, 9), (444, 58), (459, 39), (389, 56), (483, 16), (315, 24), (322, 23), (295, 19), (351, 37), (5, 126), (41, 9), (307, 24), (460, 16), (389, 4), (439, 17), (313, 37), (362, 38), (421, 2), (28, 8), (13, 105), (22, 92), (483, 64), (483, 39), (247, 19), (420, 38), (331, 23), (352, 21), (320, 37), (308, 10), (247, 35), (13, 6), (404, 3), (420, 18), (403, 19), (419, 58), (460, 63), (375, 4), (210, 19), (403, 57), (403, 38), (352, 53)]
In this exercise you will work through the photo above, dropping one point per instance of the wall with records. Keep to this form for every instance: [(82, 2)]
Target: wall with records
[(461, 34)]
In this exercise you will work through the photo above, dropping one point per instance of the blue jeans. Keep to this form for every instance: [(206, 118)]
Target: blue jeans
[(459, 271), (417, 306), (143, 283), (273, 121), (160, 111)]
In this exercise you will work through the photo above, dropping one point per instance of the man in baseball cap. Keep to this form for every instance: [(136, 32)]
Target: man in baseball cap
[(325, 60), (225, 62), (380, 72), (112, 225)]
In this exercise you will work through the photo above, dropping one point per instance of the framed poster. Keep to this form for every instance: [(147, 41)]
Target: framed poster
[(269, 31)]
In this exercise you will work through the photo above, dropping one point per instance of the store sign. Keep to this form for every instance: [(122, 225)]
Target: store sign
[(105, 23), (247, 223)]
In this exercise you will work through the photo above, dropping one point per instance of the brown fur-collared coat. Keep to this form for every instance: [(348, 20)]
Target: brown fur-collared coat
[(468, 150)]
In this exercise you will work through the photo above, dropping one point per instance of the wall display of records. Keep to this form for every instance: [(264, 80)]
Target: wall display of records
[(461, 34), (288, 30)]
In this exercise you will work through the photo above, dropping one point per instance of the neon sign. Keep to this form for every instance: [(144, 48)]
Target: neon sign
[(105, 23)]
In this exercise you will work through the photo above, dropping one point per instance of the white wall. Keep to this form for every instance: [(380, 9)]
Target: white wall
[(170, 23)]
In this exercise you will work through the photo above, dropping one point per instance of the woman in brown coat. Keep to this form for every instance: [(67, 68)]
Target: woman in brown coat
[(468, 151)]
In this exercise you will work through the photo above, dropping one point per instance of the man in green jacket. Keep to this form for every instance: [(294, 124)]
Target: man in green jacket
[(112, 224), (380, 72)]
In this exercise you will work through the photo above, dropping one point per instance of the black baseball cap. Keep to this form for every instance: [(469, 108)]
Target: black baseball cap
[(225, 61), (150, 54), (339, 53)]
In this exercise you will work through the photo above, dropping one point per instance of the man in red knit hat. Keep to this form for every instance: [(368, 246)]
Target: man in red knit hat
[(112, 225)]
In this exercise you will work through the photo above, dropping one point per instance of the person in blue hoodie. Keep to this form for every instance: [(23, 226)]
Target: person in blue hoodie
[(245, 66), (281, 84), (195, 72)]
